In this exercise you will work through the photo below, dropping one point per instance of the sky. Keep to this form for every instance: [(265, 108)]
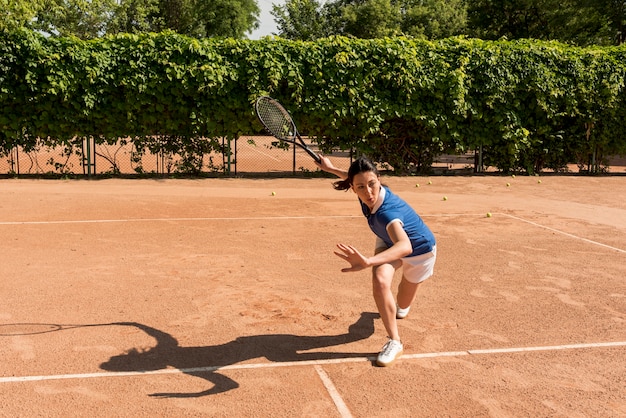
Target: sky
[(267, 26)]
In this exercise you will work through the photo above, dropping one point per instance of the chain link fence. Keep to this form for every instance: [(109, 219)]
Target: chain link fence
[(249, 155)]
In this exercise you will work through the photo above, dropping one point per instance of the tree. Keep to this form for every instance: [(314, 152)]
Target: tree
[(615, 12), (435, 19), (581, 22), (301, 19), (229, 18), (87, 19), (371, 19), (197, 18), (18, 13), (132, 16), (82, 18), (432, 19)]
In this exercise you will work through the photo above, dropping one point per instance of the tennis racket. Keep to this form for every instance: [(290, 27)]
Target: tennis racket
[(279, 123)]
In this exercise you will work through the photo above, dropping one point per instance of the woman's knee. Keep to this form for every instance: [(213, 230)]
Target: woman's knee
[(382, 276)]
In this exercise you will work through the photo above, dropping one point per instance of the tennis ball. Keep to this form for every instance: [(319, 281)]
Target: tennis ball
[(539, 181), (445, 198), (488, 214), (430, 182), (512, 175), (417, 185), (508, 184), (273, 193)]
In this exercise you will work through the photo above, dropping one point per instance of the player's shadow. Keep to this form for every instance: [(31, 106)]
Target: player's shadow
[(205, 362)]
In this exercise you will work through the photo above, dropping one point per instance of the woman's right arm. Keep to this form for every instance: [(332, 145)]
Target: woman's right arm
[(326, 165)]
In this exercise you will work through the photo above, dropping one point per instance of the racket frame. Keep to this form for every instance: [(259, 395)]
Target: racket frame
[(294, 135)]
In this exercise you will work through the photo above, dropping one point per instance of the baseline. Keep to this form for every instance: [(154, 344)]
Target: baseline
[(469, 352)]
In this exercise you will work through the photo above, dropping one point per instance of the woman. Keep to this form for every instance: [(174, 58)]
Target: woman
[(403, 240)]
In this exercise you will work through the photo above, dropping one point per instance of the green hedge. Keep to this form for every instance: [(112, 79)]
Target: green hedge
[(528, 105)]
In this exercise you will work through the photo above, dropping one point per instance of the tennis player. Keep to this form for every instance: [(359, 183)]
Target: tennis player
[(402, 240)]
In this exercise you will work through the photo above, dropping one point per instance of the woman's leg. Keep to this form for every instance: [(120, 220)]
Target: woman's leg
[(406, 293), (418, 268), (382, 277)]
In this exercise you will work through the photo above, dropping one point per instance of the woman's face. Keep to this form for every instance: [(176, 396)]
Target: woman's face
[(366, 185)]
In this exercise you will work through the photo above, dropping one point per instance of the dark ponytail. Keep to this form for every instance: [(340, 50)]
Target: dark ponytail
[(360, 165), (342, 184)]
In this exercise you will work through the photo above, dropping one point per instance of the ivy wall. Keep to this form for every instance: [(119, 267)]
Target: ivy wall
[(525, 105)]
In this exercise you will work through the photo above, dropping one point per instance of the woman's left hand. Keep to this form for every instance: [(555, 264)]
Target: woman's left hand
[(357, 260)]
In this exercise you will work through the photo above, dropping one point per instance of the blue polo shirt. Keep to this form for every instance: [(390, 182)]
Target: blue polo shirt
[(394, 208)]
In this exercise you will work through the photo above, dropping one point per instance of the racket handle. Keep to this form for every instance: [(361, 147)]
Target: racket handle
[(313, 155)]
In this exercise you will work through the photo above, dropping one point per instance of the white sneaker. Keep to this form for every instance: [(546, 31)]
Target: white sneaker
[(402, 313), (390, 353)]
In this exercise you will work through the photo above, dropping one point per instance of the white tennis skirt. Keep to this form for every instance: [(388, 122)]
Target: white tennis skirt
[(418, 268)]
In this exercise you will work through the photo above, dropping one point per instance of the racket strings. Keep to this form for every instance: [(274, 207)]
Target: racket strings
[(275, 119)]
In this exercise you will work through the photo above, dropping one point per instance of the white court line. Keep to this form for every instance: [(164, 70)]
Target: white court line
[(203, 219), (18, 379), (266, 218), (334, 394), (549, 348), (255, 149), (564, 233), (243, 218)]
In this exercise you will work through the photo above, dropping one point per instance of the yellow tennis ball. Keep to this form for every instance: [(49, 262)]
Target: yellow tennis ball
[(488, 214), (417, 185), (508, 184), (539, 181), (445, 198), (430, 182), (273, 193)]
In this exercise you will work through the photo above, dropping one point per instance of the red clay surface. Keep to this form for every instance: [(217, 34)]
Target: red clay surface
[(214, 298)]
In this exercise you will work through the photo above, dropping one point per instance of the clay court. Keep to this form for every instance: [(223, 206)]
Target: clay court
[(212, 297)]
